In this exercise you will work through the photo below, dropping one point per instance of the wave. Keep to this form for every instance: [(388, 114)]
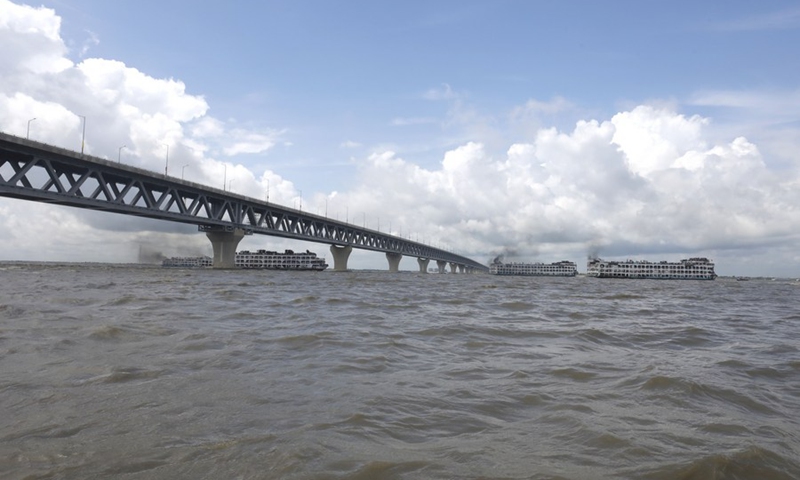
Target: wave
[(754, 463), (661, 385), (125, 374)]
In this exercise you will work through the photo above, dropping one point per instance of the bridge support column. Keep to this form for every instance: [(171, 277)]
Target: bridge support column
[(441, 264), (340, 255), (394, 261), (461, 268), (423, 264), (453, 267), (224, 243)]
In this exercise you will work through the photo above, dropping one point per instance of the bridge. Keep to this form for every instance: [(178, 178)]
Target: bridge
[(35, 171)]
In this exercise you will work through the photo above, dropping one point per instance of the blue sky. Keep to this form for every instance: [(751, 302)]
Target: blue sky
[(328, 72), (457, 118)]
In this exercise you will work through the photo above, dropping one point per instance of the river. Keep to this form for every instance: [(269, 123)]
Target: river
[(137, 372)]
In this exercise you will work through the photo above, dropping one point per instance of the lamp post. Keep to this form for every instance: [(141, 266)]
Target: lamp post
[(28, 132), (301, 200), (182, 169), (225, 177), (83, 137), (230, 183), (166, 165), (119, 153)]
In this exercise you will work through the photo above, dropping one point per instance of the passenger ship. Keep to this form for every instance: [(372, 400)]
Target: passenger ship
[(558, 269), (289, 260), (261, 259), (187, 262), (698, 268)]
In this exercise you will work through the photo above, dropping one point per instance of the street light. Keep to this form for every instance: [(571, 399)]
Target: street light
[(166, 165), (301, 200), (28, 132), (225, 177), (119, 153), (182, 169), (83, 137)]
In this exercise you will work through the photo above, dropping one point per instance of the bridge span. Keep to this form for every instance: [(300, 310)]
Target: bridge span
[(35, 171)]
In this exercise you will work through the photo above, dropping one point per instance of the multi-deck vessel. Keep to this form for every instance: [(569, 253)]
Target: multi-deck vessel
[(698, 268), (289, 260), (558, 269), (187, 262), (263, 259)]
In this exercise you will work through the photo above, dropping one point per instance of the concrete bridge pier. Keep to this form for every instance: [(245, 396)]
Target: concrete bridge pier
[(423, 264), (224, 243), (394, 261), (340, 255), (441, 264), (462, 269), (453, 267)]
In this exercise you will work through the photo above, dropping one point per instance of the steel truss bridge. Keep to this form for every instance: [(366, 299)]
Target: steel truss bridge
[(39, 172)]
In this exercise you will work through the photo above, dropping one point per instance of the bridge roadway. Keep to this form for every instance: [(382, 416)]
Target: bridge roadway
[(31, 170)]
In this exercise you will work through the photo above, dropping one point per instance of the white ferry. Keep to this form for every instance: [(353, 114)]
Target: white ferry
[(262, 259), (698, 268), (289, 260), (187, 262), (558, 269)]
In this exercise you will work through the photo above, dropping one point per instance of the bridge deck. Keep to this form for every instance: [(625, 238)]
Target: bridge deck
[(35, 171)]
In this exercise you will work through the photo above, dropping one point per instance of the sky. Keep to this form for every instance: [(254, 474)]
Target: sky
[(532, 130)]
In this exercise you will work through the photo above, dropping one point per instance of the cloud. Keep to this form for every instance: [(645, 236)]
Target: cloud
[(404, 122), (777, 105), (442, 93), (777, 20), (243, 141), (91, 41), (119, 106), (537, 107), (647, 181)]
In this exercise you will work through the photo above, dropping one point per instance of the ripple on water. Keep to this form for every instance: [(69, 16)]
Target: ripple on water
[(573, 374), (109, 332), (126, 374), (687, 389), (517, 306), (124, 300), (12, 311), (751, 463)]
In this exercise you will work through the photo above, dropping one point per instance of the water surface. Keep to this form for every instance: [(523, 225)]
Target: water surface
[(150, 373)]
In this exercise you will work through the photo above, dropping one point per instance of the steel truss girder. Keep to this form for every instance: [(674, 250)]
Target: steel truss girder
[(43, 173)]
